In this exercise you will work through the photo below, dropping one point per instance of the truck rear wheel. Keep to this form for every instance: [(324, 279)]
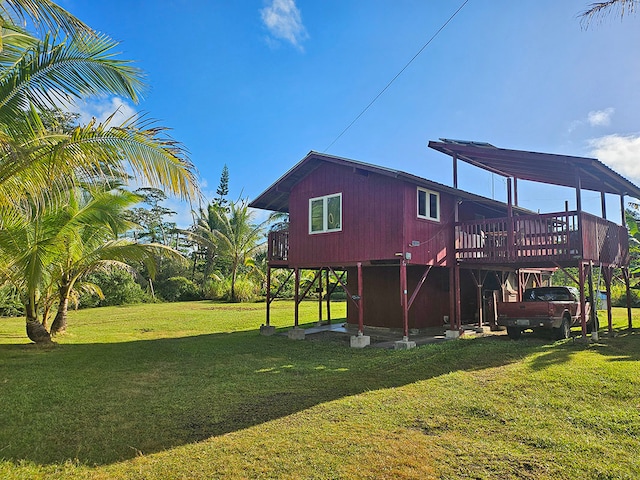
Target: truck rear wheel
[(564, 331), (514, 333)]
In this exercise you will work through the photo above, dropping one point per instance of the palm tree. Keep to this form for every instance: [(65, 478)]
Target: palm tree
[(40, 166), (91, 244), (52, 249), (203, 234), (38, 74), (238, 236)]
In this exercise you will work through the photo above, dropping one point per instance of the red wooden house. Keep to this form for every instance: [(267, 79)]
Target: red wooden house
[(418, 253)]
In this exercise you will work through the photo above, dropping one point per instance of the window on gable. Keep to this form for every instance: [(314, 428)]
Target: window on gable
[(428, 204), (325, 213)]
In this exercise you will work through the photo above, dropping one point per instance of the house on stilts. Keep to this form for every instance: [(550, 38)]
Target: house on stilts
[(412, 253)]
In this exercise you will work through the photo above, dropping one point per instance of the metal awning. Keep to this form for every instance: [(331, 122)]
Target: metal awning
[(563, 170)]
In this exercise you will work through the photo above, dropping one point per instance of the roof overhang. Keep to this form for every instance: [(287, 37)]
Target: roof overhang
[(563, 170), (276, 197)]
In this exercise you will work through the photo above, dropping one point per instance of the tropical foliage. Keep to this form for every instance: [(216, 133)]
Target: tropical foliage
[(59, 213)]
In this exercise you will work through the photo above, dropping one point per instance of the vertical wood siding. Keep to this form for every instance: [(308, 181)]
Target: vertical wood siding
[(382, 297), (371, 218)]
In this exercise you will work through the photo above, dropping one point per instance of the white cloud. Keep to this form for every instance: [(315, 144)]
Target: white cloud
[(284, 21), (600, 118), (595, 118), (620, 152), (101, 110)]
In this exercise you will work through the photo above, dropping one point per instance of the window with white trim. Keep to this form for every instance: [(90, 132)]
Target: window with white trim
[(428, 204), (325, 213)]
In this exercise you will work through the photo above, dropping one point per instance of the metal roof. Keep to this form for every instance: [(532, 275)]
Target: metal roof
[(548, 168), (276, 197)]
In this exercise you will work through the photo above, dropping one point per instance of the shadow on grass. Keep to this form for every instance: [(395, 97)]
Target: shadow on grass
[(102, 403), (623, 346)]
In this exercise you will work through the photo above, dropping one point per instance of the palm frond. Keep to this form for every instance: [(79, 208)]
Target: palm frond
[(51, 72), (45, 14), (599, 10)]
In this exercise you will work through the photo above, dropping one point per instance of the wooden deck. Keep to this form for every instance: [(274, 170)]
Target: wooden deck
[(278, 248), (542, 240)]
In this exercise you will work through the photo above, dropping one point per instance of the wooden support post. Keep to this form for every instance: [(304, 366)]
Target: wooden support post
[(419, 286), (452, 298), (593, 303), (603, 204), (455, 170), (296, 296), (515, 191), (320, 296), (458, 306), (583, 303), (627, 284), (578, 193), (623, 221), (360, 301), (328, 298), (608, 275), (403, 298), (268, 295), (510, 224), (480, 302)]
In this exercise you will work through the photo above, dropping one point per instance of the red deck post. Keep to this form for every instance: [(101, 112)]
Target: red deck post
[(625, 274), (607, 274), (328, 298), (297, 295), (511, 225), (403, 298), (583, 303), (593, 301), (458, 306), (452, 298), (480, 303), (320, 296), (360, 301), (268, 294)]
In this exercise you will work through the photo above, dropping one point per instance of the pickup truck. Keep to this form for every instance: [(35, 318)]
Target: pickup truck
[(550, 308)]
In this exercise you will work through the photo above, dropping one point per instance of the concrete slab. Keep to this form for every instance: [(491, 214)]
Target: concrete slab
[(452, 334), (296, 334), (360, 341), (404, 344), (267, 330)]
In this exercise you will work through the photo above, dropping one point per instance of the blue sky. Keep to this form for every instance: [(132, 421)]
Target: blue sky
[(258, 84)]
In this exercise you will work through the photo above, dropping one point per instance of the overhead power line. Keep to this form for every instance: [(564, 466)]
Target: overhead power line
[(397, 75)]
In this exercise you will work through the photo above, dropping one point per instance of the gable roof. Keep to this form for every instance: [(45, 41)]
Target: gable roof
[(276, 197), (563, 170)]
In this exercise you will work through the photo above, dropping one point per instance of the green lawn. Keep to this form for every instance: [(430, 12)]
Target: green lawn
[(192, 390)]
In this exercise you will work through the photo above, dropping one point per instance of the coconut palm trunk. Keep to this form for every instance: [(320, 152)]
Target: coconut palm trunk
[(59, 324), (35, 330)]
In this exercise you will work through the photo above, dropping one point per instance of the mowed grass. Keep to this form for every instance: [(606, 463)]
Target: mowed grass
[(192, 390)]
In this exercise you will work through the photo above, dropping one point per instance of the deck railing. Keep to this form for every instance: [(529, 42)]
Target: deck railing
[(278, 247), (552, 237)]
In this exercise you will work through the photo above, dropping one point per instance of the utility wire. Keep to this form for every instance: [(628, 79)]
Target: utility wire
[(397, 75)]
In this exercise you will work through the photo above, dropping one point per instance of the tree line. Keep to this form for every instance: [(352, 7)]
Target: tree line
[(71, 232)]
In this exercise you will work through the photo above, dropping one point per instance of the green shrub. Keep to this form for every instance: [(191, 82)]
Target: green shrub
[(178, 289), (216, 289), (619, 296), (246, 290), (118, 287), (10, 304)]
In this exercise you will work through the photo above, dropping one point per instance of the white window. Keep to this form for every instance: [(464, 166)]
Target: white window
[(428, 204), (325, 214)]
